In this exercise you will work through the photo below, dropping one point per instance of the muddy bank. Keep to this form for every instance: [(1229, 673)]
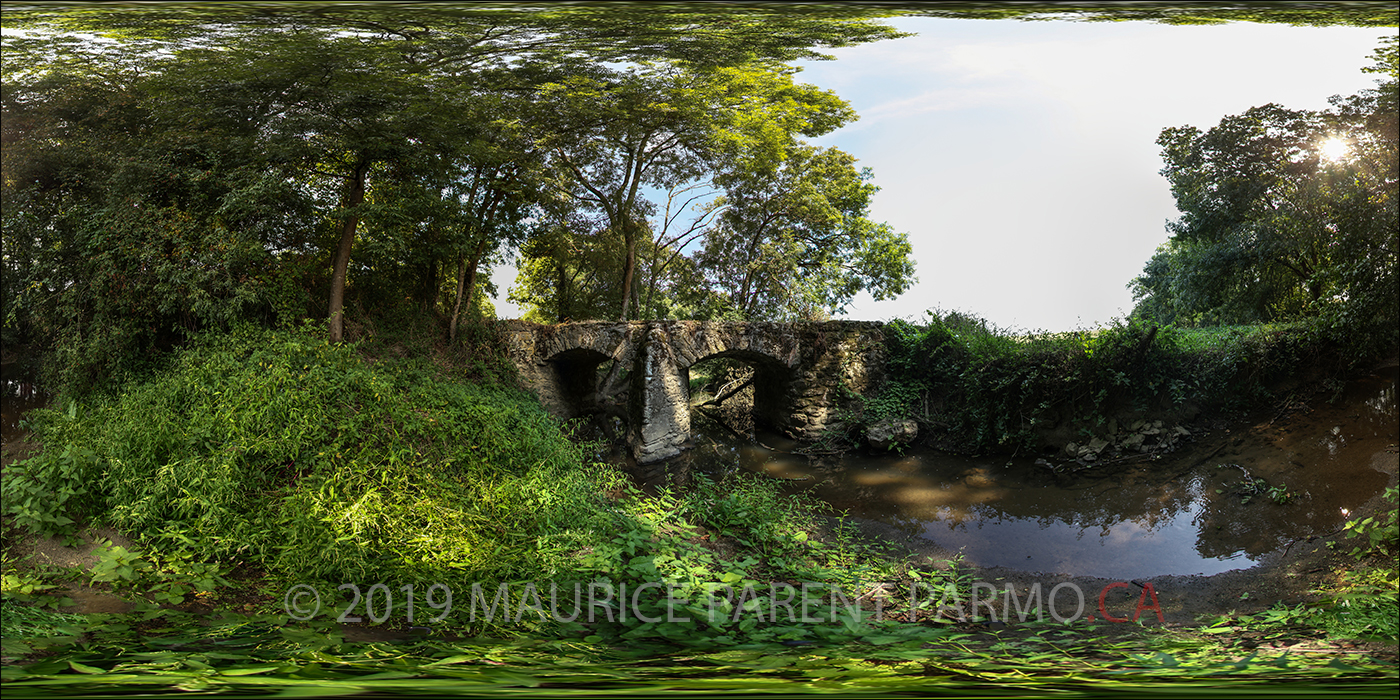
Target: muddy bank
[(1240, 515), (1333, 450)]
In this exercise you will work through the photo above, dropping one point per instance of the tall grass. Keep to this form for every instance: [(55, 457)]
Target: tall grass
[(318, 465)]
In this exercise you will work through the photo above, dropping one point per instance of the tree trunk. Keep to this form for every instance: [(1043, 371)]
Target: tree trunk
[(561, 291), (466, 283), (354, 196), (457, 306), (629, 239)]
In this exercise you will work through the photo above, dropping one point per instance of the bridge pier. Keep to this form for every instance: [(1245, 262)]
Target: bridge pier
[(660, 400)]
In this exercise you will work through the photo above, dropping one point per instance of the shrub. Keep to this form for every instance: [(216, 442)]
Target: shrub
[(279, 448), (981, 388)]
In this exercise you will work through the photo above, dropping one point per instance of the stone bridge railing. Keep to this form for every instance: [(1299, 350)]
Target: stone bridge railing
[(799, 371)]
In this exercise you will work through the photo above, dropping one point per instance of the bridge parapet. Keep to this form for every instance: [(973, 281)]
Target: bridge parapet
[(799, 368)]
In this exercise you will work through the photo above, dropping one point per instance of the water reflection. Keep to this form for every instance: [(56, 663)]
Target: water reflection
[(1184, 514)]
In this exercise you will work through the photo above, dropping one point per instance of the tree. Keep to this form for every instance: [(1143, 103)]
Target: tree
[(1272, 227), (332, 98), (613, 132), (670, 126), (795, 240), (126, 228)]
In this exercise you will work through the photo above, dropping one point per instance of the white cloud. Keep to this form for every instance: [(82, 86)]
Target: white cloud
[(1020, 156)]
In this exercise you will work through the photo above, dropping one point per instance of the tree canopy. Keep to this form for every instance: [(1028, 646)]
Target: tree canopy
[(1285, 214), (173, 167), (170, 169)]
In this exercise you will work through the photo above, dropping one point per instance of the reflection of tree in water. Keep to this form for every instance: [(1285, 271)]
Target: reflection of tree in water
[(1227, 526), (962, 496), (1094, 504), (715, 440)]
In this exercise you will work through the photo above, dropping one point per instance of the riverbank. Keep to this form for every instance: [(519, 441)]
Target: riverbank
[(233, 621)]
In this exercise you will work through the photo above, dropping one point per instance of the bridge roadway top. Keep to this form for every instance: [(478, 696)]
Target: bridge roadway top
[(691, 339)]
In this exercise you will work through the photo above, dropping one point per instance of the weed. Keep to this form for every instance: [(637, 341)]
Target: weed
[(165, 579), (1378, 533), (278, 448)]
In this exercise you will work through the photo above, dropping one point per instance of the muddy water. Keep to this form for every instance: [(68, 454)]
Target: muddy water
[(1183, 513)]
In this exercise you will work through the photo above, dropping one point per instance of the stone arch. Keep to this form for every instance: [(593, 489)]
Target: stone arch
[(576, 371), (771, 383), (808, 369), (560, 362)]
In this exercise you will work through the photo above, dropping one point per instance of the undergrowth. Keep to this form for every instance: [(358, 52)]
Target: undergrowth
[(327, 466), (977, 388), (320, 466), (258, 654), (279, 448)]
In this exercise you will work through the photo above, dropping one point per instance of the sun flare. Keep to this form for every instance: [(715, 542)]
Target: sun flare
[(1334, 149)]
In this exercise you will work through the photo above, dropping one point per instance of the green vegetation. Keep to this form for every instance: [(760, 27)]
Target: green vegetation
[(169, 261), (279, 451), (978, 388), (230, 453), (1379, 534), (1286, 214), (1364, 604), (255, 654), (345, 164), (1276, 231)]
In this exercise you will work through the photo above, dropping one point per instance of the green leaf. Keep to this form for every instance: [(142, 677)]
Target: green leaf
[(83, 668)]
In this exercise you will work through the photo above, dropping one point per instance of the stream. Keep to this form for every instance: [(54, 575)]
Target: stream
[(1183, 513)]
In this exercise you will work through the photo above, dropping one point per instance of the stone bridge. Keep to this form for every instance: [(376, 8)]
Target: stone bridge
[(799, 371)]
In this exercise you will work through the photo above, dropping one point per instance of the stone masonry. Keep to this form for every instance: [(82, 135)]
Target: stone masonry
[(799, 371)]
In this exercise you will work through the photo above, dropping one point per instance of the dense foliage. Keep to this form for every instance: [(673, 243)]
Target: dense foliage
[(209, 181), (1286, 214), (252, 655), (283, 453), (977, 388), (282, 448), (188, 172)]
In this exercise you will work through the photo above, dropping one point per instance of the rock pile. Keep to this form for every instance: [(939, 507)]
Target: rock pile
[(1138, 438), (890, 433)]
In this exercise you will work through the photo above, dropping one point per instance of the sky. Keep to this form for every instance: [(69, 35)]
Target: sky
[(1020, 157)]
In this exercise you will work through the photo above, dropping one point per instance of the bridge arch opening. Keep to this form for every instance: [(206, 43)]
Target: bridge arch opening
[(740, 389), (591, 385)]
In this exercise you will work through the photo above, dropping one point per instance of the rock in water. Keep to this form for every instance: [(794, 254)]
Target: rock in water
[(890, 433)]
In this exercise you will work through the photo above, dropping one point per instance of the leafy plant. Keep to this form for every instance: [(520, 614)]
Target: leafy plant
[(31, 587), (1378, 533), (165, 579), (980, 389), (44, 494)]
